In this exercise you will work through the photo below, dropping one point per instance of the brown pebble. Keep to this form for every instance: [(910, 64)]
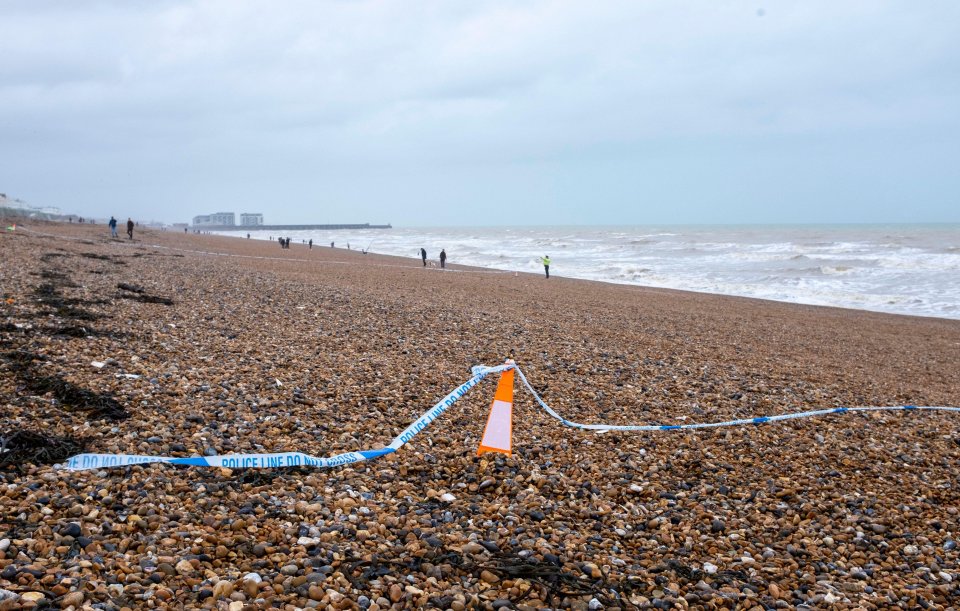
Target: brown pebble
[(73, 599), (396, 592)]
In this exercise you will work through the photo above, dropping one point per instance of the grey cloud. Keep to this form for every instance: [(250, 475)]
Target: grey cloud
[(517, 97)]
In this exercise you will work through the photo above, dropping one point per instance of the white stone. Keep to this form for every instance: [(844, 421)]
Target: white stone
[(636, 488), (595, 604), (184, 567), (709, 568), (307, 541), (911, 550), (8, 600), (4, 545), (254, 577), (946, 577), (830, 598), (446, 497)]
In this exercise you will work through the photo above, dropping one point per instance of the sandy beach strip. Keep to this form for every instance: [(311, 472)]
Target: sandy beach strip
[(240, 346)]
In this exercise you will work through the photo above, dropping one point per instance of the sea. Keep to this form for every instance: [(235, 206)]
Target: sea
[(909, 269)]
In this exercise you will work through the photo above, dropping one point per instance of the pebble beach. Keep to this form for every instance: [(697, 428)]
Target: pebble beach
[(178, 344)]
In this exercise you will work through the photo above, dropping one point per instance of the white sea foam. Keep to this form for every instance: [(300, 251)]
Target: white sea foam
[(905, 269)]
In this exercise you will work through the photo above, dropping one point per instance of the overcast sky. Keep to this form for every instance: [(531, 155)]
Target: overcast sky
[(484, 113)]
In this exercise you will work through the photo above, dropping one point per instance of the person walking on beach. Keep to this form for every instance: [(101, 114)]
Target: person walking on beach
[(546, 264), (113, 227), (443, 258), (423, 255), (311, 243), (130, 227)]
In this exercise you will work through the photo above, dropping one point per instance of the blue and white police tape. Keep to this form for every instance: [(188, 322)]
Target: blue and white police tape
[(82, 462), (708, 425)]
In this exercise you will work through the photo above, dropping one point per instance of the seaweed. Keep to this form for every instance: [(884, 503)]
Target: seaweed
[(144, 298), (79, 331), (19, 447), (66, 393), (48, 256), (48, 293), (61, 278), (72, 396)]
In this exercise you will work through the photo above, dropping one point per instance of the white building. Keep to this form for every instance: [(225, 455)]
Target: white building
[(250, 219), (217, 219)]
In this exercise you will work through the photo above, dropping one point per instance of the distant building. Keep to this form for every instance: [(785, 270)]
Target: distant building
[(217, 219), (248, 219)]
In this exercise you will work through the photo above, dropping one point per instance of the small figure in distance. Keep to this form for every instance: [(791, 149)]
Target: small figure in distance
[(546, 264), (443, 258), (248, 236), (130, 227), (423, 255), (113, 227), (311, 243), (331, 244)]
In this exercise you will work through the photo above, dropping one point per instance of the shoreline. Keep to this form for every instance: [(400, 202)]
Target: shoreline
[(816, 275), (493, 270), (240, 354)]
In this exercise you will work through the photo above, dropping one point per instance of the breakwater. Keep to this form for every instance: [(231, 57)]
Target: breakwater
[(289, 227)]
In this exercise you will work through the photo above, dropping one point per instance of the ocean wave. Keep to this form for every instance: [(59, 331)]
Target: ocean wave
[(859, 268)]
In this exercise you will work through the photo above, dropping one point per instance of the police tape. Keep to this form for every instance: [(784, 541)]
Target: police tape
[(83, 462), (738, 422)]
